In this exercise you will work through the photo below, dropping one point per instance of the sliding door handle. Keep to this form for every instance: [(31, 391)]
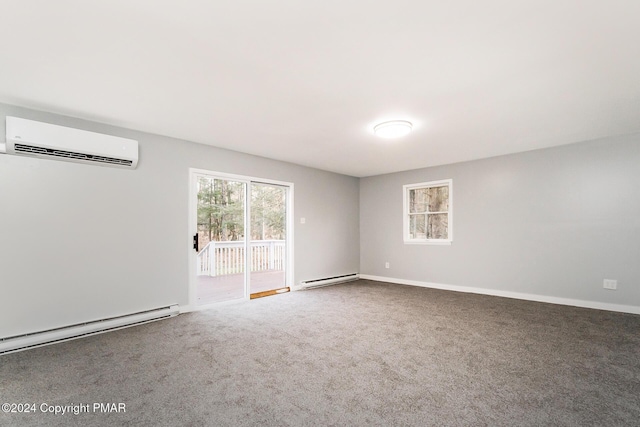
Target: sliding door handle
[(195, 242)]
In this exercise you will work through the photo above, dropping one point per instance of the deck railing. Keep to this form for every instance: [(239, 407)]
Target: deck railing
[(221, 258)]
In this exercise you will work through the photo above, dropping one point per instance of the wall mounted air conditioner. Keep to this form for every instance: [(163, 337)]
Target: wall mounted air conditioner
[(47, 141)]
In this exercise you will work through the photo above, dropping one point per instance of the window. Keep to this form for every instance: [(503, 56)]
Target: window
[(427, 212)]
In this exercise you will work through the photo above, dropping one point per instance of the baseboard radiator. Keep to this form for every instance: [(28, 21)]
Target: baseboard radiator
[(39, 339), (317, 283)]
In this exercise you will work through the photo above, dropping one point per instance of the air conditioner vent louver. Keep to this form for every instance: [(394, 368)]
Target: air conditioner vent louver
[(21, 148)]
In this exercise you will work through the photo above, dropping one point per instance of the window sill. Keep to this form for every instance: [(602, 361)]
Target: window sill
[(428, 242)]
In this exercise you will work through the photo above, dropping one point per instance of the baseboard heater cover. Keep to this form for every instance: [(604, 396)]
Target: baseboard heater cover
[(52, 336), (316, 283)]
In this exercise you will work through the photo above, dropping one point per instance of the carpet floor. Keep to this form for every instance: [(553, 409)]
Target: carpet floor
[(358, 354)]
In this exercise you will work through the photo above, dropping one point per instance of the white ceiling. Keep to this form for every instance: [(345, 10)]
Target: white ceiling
[(304, 81)]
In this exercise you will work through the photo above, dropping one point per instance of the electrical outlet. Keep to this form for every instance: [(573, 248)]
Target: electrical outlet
[(386, 265), (303, 220), (610, 284)]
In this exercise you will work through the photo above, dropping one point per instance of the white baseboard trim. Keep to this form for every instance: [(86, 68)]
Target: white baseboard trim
[(310, 284), (39, 339), (508, 294)]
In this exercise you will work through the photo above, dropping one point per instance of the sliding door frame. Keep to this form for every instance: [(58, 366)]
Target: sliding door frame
[(193, 229)]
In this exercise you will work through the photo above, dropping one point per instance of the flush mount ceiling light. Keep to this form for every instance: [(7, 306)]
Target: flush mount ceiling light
[(392, 129)]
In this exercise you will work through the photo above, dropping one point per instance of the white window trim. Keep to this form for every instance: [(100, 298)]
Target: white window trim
[(405, 213)]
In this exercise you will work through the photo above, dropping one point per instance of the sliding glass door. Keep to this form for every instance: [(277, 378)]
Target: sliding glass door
[(268, 209), (241, 239), (221, 206)]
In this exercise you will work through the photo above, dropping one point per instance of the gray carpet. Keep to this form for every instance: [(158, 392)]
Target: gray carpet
[(363, 353)]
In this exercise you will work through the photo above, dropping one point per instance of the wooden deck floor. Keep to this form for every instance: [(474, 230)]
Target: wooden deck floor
[(231, 286)]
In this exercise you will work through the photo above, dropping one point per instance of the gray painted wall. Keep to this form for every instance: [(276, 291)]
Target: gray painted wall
[(81, 242), (552, 222)]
